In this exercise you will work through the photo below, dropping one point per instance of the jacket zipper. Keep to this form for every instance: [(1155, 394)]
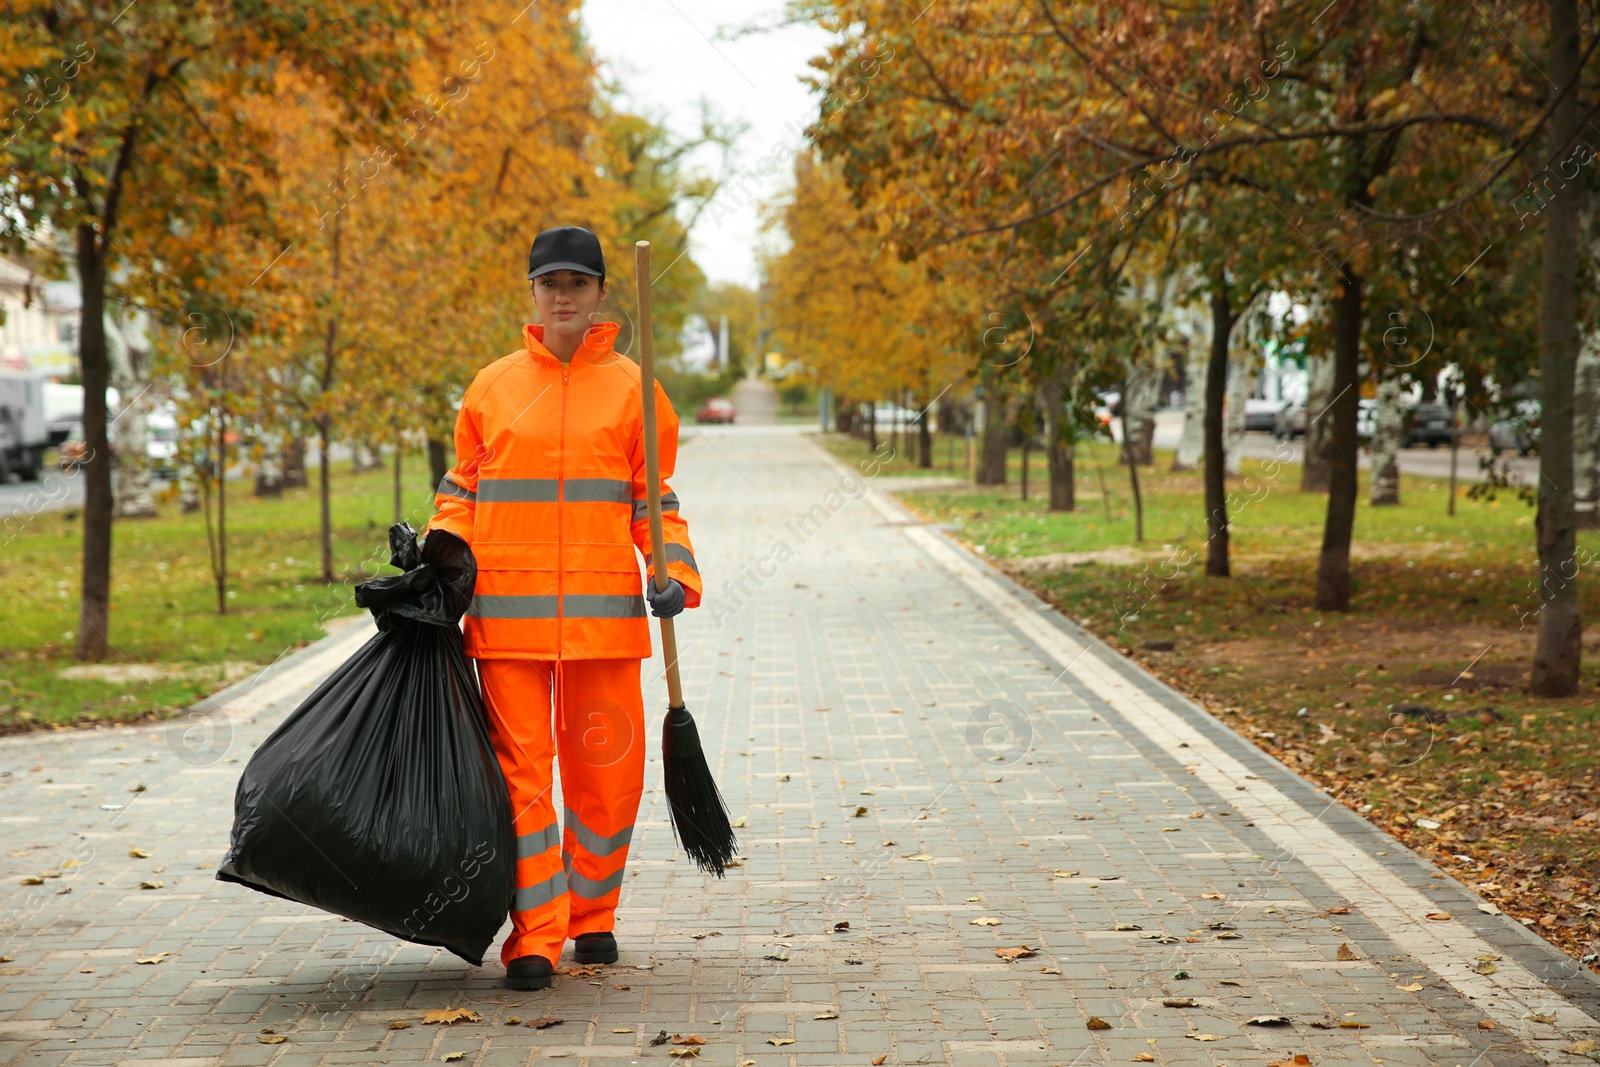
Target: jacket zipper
[(561, 496)]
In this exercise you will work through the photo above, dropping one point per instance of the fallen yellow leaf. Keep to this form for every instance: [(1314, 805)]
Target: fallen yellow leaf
[(271, 1039), (157, 958), (688, 1039), (1019, 953), (138, 853), (986, 920), (450, 1016), (399, 1024), (1094, 1022)]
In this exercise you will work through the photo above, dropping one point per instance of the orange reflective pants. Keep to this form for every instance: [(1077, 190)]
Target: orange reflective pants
[(569, 876)]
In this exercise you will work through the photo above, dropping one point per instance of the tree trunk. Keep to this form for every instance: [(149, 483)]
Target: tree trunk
[(872, 426), (1240, 385), (1586, 435), (130, 430), (924, 442), (1060, 440), (1129, 435), (1558, 653), (222, 511), (399, 448), (1333, 569), (992, 458), (323, 470), (269, 472), (1141, 395), (1319, 424), (841, 414), (1222, 318), (438, 463), (294, 460), (1192, 444), (94, 608), (1387, 428)]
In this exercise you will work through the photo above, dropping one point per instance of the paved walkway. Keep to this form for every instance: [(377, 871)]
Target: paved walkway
[(918, 749)]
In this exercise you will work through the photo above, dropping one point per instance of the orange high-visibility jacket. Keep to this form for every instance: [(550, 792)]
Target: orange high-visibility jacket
[(549, 490)]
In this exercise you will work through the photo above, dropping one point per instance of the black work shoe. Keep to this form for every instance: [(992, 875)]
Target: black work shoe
[(529, 972), (595, 948)]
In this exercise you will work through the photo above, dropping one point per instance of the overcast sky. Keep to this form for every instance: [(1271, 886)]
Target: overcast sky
[(667, 56)]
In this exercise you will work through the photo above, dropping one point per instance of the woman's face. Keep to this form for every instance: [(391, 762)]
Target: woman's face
[(567, 300)]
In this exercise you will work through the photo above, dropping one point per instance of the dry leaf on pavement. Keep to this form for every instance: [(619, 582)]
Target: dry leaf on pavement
[(1268, 1020), (688, 1039), (877, 1061), (1439, 916), (271, 1039), (138, 853), (545, 1023), (157, 958), (829, 1014), (1094, 1022), (450, 1016), (1018, 953), (1204, 1037), (986, 920), (152, 885), (399, 1024), (1346, 953), (683, 1052), (780, 1040), (1179, 1002)]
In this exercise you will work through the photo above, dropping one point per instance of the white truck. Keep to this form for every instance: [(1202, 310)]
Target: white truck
[(23, 434)]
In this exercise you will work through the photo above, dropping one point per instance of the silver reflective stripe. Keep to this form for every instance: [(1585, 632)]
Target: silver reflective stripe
[(499, 606), (600, 605), (541, 893), (538, 841), (448, 487), (597, 490), (517, 490), (677, 554), (597, 845), (590, 888), (641, 508)]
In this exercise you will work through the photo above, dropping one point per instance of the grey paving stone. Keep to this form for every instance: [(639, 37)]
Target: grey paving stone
[(908, 661)]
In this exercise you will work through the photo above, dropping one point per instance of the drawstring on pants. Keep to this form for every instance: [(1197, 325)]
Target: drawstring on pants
[(561, 705)]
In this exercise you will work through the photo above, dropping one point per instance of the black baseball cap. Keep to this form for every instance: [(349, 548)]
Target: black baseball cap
[(566, 248)]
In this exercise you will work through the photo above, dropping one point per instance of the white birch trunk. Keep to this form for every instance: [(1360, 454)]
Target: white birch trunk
[(129, 431), (1387, 424), (1240, 385), (1586, 433), (1192, 445)]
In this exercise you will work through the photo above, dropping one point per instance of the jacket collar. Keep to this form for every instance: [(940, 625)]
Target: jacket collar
[(595, 347)]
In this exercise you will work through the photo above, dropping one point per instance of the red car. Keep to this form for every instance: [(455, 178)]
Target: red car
[(717, 409)]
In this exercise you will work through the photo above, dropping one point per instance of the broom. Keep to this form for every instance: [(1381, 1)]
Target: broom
[(699, 816)]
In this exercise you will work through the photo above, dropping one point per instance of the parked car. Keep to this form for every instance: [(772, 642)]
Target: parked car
[(1429, 424), (1261, 415), (1289, 421), (1518, 431), (717, 409)]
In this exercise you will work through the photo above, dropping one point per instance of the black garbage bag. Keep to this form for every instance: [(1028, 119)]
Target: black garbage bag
[(380, 798)]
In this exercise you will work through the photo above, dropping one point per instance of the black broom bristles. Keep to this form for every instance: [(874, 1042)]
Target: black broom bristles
[(699, 816)]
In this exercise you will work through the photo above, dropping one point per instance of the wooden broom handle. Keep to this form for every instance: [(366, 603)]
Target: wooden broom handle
[(652, 464)]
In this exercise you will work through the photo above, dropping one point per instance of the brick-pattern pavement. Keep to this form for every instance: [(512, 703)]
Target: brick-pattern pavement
[(914, 745)]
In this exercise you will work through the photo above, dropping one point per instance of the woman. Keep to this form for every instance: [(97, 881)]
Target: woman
[(549, 490)]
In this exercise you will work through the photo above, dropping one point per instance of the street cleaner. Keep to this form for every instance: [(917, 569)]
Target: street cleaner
[(549, 490)]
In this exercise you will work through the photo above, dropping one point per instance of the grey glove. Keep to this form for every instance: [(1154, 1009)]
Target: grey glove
[(664, 603)]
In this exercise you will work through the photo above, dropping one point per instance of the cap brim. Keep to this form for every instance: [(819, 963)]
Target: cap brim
[(548, 267)]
